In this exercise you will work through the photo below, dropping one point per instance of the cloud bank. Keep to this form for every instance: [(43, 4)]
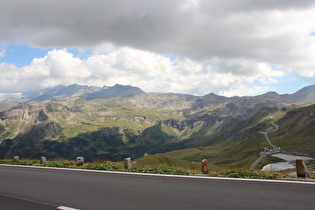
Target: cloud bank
[(220, 46), (147, 70)]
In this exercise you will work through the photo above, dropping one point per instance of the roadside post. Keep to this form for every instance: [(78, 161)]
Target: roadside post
[(204, 166), (16, 158), (301, 170), (80, 161), (127, 163), (42, 160)]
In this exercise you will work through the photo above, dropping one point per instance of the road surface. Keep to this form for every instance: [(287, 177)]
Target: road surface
[(48, 188), (274, 148)]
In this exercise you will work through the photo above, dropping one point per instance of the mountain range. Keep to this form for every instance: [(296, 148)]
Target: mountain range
[(124, 121)]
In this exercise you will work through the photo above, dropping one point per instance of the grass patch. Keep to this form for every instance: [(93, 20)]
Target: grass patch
[(241, 173), (59, 164), (157, 170), (164, 162), (19, 162), (104, 165), (157, 164)]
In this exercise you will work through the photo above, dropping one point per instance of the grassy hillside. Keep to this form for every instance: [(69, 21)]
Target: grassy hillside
[(222, 130), (297, 131)]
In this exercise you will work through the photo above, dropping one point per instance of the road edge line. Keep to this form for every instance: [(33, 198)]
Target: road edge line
[(166, 175)]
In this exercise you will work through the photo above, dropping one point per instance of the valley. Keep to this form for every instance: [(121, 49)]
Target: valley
[(113, 123)]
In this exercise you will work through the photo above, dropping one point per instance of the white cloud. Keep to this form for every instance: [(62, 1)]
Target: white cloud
[(242, 90), (8, 77), (268, 80), (220, 46), (147, 70)]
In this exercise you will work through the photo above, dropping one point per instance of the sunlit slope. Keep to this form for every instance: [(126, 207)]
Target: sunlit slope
[(104, 123)]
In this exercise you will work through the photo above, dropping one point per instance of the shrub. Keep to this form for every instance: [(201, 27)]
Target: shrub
[(166, 170), (19, 162), (101, 166), (6, 161), (59, 164), (239, 173)]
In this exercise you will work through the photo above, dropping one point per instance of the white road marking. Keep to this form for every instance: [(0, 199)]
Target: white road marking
[(66, 208)]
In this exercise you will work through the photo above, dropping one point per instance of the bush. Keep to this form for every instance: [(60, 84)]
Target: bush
[(101, 166), (19, 162), (165, 170), (26, 162), (59, 164), (159, 168), (6, 161), (239, 173)]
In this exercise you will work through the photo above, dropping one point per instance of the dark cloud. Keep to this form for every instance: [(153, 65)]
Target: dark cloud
[(211, 26), (230, 6), (86, 23), (237, 38)]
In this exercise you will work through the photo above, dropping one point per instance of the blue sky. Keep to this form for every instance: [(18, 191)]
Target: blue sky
[(287, 85), (21, 55), (190, 46)]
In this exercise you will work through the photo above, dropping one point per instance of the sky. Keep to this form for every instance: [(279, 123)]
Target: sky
[(226, 47)]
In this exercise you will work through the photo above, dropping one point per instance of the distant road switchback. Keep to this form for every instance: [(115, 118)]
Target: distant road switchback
[(274, 150), (25, 187)]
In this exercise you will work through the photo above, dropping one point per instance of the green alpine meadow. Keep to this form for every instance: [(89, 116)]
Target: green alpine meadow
[(113, 123)]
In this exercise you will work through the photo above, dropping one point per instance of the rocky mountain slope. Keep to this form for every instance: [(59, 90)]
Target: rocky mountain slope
[(63, 92), (123, 121)]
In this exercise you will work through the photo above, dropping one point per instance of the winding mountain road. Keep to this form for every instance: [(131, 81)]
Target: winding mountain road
[(253, 166), (25, 187), (275, 149)]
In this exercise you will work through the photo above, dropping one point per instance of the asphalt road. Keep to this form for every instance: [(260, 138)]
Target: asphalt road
[(274, 148), (47, 188), (253, 166)]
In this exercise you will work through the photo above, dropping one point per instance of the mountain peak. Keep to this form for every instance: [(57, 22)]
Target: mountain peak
[(117, 90), (213, 98), (270, 93)]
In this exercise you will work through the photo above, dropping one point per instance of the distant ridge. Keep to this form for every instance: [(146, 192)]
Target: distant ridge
[(213, 98), (116, 122), (116, 91), (306, 94), (62, 92)]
